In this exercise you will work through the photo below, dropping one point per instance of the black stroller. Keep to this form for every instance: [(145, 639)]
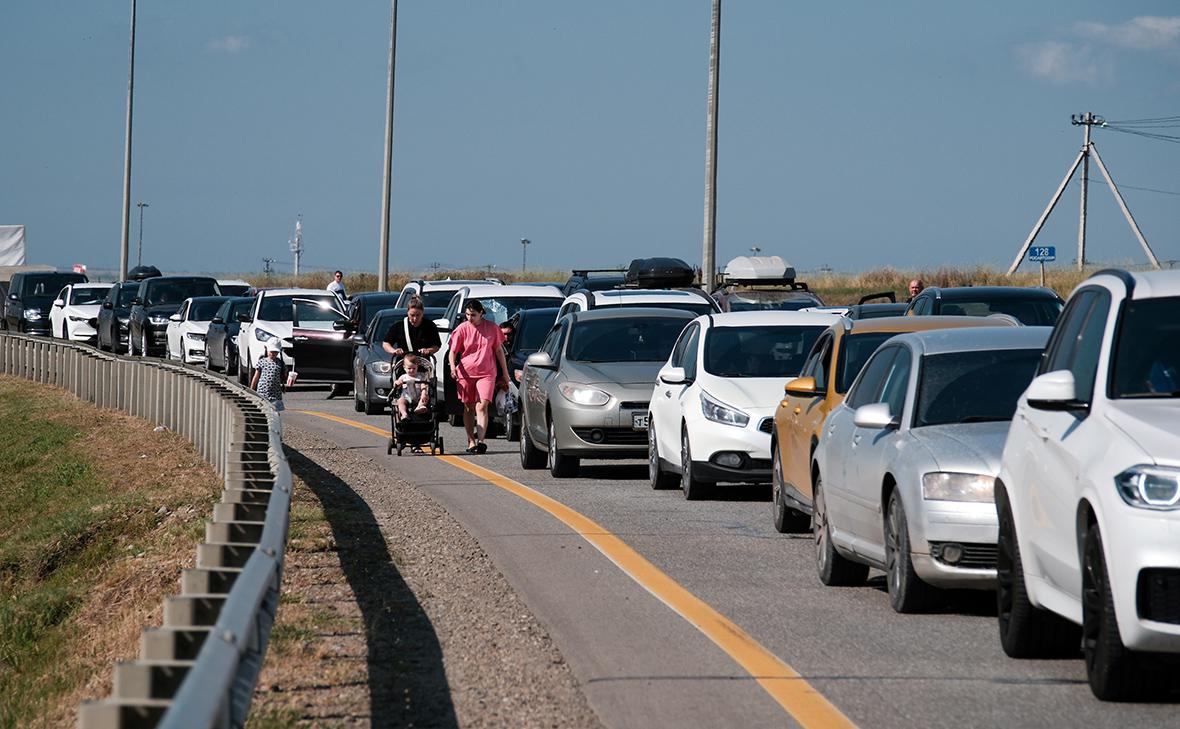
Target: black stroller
[(421, 429)]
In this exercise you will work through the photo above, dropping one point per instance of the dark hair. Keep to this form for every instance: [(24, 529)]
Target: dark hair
[(415, 303), (507, 324), (411, 359), (338, 273), (473, 305)]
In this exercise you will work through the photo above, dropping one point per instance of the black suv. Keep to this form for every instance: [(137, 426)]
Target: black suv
[(593, 279), (1032, 306), (157, 299), (26, 308), (114, 316)]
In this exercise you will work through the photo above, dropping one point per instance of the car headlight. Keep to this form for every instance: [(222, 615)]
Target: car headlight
[(195, 335), (722, 413), (262, 335), (1150, 487), (79, 318), (947, 486), (32, 315), (380, 367), (159, 319), (584, 394)]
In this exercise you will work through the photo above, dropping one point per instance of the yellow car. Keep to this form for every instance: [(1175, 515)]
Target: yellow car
[(835, 361)]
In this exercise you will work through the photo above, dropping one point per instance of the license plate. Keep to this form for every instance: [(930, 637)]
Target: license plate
[(639, 421)]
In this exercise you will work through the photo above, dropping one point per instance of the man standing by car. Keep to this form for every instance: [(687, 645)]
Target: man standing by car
[(916, 287), (423, 335), (337, 285)]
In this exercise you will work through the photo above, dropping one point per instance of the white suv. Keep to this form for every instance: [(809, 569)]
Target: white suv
[(1088, 495), (437, 294), (694, 300), (273, 315)]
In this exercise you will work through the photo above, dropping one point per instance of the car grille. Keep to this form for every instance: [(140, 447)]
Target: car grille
[(613, 436), (633, 405), (975, 556), (767, 425), (1159, 595)]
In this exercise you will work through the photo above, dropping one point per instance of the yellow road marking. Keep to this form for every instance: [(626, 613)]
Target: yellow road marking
[(783, 683)]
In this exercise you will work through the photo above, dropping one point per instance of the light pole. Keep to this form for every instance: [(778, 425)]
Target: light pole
[(383, 246), (127, 153), (524, 253), (139, 254)]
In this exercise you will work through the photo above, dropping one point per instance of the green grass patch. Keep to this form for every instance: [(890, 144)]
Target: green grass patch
[(274, 719), (60, 528)]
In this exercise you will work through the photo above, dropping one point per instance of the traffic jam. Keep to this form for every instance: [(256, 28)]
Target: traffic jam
[(993, 438)]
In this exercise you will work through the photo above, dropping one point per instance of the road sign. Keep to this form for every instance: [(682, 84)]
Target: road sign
[(1043, 254)]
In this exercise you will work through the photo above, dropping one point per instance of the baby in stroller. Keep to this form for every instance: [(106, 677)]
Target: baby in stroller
[(412, 388)]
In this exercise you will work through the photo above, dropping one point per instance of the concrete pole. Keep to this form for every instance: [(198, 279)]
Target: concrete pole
[(709, 254), (383, 249), (123, 245), (1118, 197), (1087, 120), (1045, 215)]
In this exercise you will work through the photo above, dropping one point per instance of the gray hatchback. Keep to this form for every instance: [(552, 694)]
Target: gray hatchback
[(585, 393)]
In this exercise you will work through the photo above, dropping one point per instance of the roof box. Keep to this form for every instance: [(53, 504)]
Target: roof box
[(659, 273), (759, 269)]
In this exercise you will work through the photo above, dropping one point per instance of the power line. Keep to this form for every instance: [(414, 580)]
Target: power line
[(1150, 135)]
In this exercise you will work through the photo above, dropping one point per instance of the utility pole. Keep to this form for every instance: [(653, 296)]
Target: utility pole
[(123, 245), (709, 255), (524, 253), (139, 253), (1086, 121), (297, 242), (383, 248), (266, 266)]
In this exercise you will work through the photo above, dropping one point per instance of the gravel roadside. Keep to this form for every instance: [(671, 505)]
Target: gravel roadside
[(396, 617)]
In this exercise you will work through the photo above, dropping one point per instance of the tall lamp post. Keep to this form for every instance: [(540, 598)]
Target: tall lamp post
[(123, 245), (139, 254), (383, 248), (524, 253)]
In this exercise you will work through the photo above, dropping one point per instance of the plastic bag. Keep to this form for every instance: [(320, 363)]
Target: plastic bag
[(508, 401)]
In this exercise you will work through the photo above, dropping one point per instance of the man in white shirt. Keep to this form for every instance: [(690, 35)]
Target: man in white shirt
[(337, 285)]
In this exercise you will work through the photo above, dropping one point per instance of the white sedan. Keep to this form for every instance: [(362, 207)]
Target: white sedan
[(74, 311), (712, 408), (188, 326)]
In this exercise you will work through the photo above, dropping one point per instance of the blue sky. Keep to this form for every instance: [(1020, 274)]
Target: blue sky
[(852, 135)]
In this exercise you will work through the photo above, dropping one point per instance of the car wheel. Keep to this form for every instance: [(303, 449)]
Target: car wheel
[(1026, 631), (834, 569), (531, 457), (560, 465), (357, 404), (1115, 673), (907, 592), (659, 478), (786, 519), (512, 427), (692, 487), (244, 370), (65, 334)]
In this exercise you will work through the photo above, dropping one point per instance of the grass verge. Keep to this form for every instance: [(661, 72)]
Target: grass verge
[(98, 513)]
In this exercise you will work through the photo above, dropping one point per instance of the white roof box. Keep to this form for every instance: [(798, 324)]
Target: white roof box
[(759, 268)]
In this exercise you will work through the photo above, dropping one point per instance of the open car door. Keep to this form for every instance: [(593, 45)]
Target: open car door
[(321, 343)]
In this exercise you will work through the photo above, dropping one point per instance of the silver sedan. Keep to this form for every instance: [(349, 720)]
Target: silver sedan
[(906, 465)]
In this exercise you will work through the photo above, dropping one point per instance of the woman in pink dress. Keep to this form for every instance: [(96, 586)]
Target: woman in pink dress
[(475, 349)]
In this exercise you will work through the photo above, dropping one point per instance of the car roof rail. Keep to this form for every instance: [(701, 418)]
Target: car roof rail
[(585, 271), (1122, 275), (591, 299)]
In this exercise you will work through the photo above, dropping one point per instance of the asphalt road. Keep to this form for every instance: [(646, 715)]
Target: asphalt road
[(643, 665)]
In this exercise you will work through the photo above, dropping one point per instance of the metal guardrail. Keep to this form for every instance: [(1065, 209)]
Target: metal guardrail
[(199, 669)]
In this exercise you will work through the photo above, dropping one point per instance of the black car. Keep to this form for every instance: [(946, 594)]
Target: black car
[(30, 294), (529, 329), (221, 339), (114, 316), (593, 279), (1030, 305), (363, 307), (371, 371), (157, 299)]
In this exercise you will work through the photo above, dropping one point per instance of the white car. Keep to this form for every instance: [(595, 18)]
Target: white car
[(1088, 495), (712, 409), (694, 300), (437, 294), (75, 310), (273, 314), (185, 336)]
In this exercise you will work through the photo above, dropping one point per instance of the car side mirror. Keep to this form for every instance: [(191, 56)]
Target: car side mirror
[(540, 360), (59, 303), (341, 325), (245, 318), (673, 376), (217, 320), (1055, 391), (107, 305), (358, 338), (875, 416), (444, 325), (175, 317), (801, 387)]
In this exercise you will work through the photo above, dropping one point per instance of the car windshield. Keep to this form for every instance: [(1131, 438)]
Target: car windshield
[(127, 293), (382, 324), (233, 289), (89, 295), (624, 340), (770, 301), (973, 387), (1038, 312), (433, 298), (600, 283), (770, 351), (278, 308), (374, 305), (532, 332), (50, 284), (204, 310), (158, 293), (1147, 355), (500, 309), (855, 350)]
